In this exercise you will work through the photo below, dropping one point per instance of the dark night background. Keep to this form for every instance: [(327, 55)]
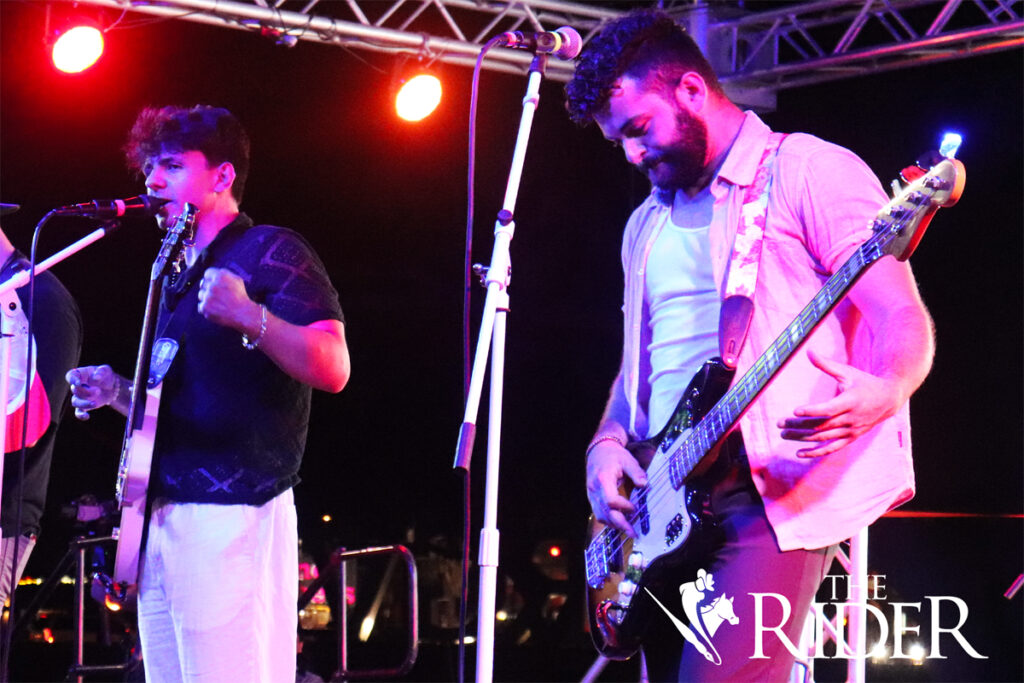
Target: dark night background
[(383, 203)]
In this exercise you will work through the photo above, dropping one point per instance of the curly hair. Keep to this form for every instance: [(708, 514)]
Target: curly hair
[(640, 44), (211, 130)]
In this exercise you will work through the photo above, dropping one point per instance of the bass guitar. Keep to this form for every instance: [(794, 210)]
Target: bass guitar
[(671, 511), (140, 429)]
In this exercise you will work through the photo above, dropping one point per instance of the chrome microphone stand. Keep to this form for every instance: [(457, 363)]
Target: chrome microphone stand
[(492, 331)]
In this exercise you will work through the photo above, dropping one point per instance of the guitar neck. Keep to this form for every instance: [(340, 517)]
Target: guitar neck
[(721, 419)]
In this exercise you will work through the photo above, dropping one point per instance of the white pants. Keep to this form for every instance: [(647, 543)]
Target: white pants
[(7, 562), (218, 593)]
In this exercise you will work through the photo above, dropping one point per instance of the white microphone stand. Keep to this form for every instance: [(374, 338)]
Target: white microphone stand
[(492, 329)]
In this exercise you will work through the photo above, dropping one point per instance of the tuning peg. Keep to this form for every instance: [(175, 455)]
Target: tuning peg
[(896, 187)]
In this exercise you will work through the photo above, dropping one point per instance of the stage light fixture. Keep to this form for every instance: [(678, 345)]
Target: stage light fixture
[(78, 48), (415, 86), (418, 97)]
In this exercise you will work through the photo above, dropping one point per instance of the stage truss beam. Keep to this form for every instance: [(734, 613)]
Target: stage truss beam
[(755, 52)]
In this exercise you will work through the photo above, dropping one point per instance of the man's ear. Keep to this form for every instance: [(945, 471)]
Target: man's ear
[(225, 176), (692, 92)]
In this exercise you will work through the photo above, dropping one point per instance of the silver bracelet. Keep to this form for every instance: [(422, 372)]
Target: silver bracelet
[(254, 343), (600, 439)]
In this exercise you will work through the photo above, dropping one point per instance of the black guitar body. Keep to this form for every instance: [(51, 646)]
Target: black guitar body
[(684, 532)]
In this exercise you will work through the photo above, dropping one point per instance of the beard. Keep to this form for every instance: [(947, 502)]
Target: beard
[(680, 165)]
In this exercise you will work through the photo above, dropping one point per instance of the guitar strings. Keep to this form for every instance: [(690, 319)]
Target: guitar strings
[(613, 539)]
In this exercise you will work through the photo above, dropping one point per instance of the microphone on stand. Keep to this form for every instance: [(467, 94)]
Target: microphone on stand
[(564, 42), (141, 205)]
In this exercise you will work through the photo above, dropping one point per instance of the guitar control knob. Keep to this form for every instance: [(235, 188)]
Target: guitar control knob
[(636, 560), (626, 589)]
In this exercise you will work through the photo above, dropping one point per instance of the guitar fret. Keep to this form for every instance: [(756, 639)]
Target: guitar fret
[(675, 471)]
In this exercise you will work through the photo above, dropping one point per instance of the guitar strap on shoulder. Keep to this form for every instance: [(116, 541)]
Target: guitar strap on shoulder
[(738, 305), (171, 326)]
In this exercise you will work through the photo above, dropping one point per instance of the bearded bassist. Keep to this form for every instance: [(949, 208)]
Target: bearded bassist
[(738, 213)]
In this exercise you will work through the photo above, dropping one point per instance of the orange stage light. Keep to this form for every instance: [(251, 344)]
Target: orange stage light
[(418, 97)]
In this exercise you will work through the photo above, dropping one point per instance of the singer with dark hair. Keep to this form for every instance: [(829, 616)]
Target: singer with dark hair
[(57, 332), (740, 213), (257, 326)]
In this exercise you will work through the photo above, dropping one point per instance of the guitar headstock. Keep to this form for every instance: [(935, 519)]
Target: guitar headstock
[(179, 232), (907, 215)]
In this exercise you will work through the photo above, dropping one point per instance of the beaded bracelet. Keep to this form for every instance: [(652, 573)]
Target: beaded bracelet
[(255, 341), (605, 437)]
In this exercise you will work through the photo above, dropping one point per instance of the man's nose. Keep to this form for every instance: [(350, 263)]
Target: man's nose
[(635, 150), (155, 179)]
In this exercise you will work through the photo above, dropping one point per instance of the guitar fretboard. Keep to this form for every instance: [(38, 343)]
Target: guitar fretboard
[(720, 419)]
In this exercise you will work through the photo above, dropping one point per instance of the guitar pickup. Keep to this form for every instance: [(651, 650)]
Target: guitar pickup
[(597, 564)]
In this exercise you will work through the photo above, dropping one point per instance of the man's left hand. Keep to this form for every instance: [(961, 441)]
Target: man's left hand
[(863, 401), (224, 301)]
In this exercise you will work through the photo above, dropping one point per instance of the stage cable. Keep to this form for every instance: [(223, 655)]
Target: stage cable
[(467, 284)]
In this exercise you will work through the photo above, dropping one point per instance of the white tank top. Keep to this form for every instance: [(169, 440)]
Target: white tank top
[(684, 304)]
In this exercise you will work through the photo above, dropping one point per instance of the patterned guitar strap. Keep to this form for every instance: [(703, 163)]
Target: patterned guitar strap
[(738, 305)]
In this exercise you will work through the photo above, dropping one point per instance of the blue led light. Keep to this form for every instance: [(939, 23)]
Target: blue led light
[(950, 144)]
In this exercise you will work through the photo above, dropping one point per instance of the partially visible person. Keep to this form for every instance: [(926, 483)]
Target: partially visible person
[(57, 331), (257, 326), (825, 449)]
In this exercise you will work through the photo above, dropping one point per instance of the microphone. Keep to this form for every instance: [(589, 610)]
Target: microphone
[(564, 42), (141, 205)]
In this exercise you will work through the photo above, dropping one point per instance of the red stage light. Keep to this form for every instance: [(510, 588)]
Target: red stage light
[(77, 49)]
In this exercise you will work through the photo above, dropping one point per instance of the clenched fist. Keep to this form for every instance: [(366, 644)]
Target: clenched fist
[(224, 301)]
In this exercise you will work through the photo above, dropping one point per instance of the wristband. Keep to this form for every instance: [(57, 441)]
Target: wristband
[(600, 439), (254, 343)]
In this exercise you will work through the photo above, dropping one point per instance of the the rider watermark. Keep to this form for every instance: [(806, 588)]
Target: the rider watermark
[(706, 611), (898, 624)]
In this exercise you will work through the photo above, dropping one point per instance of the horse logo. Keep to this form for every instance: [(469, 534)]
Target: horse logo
[(704, 616)]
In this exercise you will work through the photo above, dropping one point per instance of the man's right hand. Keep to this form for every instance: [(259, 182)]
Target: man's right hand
[(95, 386), (608, 465)]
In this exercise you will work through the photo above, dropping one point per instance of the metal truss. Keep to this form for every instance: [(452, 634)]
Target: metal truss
[(812, 42), (757, 48), (450, 31)]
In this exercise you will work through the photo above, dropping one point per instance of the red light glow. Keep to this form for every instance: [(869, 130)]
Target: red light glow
[(77, 49)]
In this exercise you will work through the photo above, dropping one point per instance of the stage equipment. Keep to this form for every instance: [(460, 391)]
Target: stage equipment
[(141, 205), (496, 279), (336, 565), (77, 553), (151, 365), (418, 97), (415, 85), (563, 43), (77, 49)]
